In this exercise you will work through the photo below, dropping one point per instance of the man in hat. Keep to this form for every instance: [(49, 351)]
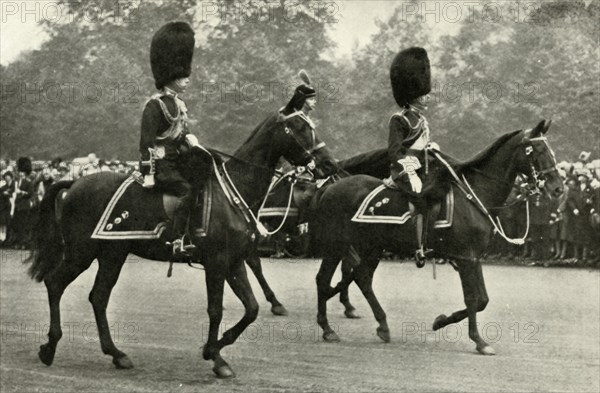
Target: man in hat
[(409, 131), (21, 203), (165, 141)]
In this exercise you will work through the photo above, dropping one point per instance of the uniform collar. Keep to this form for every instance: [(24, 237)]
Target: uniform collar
[(170, 92), (298, 113)]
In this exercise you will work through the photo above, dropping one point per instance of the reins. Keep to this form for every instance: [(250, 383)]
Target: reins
[(466, 188)]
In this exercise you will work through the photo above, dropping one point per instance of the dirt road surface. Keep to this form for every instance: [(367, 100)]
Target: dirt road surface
[(544, 324)]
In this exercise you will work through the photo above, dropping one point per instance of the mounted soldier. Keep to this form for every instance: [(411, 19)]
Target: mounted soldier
[(166, 143), (409, 136), (300, 105)]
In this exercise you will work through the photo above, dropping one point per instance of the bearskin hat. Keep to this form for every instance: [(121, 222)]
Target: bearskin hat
[(24, 165), (410, 75), (301, 93), (171, 53)]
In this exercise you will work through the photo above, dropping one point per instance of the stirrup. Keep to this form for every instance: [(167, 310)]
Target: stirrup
[(179, 248), (421, 256)]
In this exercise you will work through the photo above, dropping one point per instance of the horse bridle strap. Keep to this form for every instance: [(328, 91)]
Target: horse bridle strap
[(465, 187)]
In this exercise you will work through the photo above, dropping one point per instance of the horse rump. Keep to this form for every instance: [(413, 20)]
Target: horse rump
[(48, 244)]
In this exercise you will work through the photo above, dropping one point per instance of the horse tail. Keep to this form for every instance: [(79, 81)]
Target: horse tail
[(48, 243)]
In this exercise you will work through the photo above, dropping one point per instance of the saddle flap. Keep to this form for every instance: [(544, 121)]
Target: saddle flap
[(387, 206)]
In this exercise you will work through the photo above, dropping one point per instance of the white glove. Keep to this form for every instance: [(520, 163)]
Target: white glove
[(576, 212), (148, 181), (415, 183), (192, 140)]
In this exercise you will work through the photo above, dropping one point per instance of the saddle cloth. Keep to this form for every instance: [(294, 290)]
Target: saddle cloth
[(137, 213), (387, 206)]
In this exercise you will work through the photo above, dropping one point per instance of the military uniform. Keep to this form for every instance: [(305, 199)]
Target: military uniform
[(408, 138), (164, 127), (165, 140), (410, 78)]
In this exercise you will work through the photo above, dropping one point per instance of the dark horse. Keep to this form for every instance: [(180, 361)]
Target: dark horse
[(64, 248), (491, 175)]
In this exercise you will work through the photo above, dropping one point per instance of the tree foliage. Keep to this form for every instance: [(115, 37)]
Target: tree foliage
[(84, 89)]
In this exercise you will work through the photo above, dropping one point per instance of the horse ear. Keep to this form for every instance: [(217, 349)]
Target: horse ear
[(548, 124), (538, 130)]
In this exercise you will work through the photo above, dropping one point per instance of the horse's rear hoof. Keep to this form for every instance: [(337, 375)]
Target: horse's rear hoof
[(384, 334), (46, 354), (439, 322), (486, 350), (331, 337), (279, 310), (351, 314), (123, 363), (222, 369)]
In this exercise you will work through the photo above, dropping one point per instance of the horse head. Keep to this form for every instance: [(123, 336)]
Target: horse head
[(314, 149), (536, 160)]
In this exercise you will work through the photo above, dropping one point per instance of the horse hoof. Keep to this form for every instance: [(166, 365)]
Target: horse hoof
[(123, 363), (46, 354), (486, 350), (331, 337), (351, 314), (279, 310), (222, 369), (439, 322), (384, 334)]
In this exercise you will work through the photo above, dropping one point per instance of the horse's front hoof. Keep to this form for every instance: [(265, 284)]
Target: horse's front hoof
[(384, 334), (46, 354), (438, 323), (123, 363), (331, 337), (351, 314), (222, 369), (279, 310), (486, 350)]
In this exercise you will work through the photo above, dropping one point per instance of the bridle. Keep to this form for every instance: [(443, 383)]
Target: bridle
[(292, 133), (537, 177)]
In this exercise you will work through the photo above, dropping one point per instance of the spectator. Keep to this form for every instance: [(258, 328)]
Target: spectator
[(7, 189)]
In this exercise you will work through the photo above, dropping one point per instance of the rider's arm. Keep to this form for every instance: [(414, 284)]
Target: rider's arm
[(151, 120)]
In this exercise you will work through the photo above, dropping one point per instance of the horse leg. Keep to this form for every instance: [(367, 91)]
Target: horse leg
[(476, 299), (238, 281), (326, 271), (66, 272), (276, 307), (109, 268), (215, 283), (364, 280), (350, 311)]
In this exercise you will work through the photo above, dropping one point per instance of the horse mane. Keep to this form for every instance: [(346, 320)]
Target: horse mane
[(483, 155), (253, 133)]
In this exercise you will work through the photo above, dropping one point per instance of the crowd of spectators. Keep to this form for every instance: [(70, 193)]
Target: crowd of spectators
[(24, 182), (566, 230)]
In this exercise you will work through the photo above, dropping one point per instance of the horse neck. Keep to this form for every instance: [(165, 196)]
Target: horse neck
[(492, 179), (252, 167)]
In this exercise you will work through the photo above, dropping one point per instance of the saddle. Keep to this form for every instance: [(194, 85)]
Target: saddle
[(390, 203), (138, 213)]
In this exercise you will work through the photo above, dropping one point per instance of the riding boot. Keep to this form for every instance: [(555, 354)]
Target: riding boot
[(420, 253), (180, 228)]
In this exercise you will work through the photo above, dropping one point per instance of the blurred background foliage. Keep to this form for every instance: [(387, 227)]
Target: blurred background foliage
[(84, 89)]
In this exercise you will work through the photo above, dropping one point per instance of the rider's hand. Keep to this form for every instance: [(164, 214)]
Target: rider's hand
[(415, 183), (311, 165)]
